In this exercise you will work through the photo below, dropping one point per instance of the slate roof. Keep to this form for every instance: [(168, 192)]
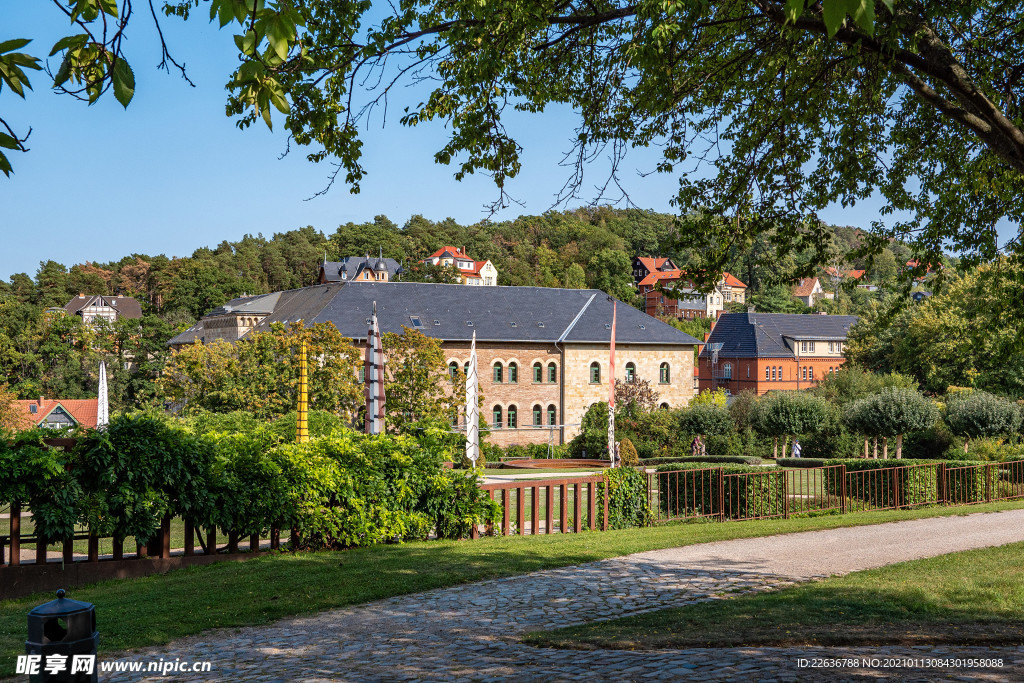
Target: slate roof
[(126, 306), (763, 335), (259, 304), (189, 336), (83, 410), (508, 314), (354, 265)]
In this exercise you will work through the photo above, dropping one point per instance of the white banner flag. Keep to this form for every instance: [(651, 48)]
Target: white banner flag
[(472, 407)]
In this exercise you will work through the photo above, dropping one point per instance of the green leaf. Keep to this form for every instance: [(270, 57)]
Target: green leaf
[(794, 8), (8, 142), (109, 7), (278, 35), (9, 45), (265, 111), (5, 165), (12, 75), (68, 42), (864, 15), (124, 82), (247, 43), (834, 13), (64, 72)]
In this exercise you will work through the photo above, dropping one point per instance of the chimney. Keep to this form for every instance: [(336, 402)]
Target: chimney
[(750, 309), (81, 296), (713, 321), (707, 335), (41, 399)]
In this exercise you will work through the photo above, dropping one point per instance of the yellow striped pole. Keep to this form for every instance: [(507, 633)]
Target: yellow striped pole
[(302, 431)]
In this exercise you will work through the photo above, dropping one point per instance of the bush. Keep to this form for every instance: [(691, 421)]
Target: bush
[(744, 497), (627, 498), (627, 454), (456, 504), (40, 479), (977, 414)]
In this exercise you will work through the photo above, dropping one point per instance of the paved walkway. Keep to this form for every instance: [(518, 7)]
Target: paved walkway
[(471, 632)]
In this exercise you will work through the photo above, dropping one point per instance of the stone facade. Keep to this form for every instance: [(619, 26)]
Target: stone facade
[(572, 392)]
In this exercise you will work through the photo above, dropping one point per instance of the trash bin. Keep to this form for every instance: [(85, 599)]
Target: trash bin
[(62, 634)]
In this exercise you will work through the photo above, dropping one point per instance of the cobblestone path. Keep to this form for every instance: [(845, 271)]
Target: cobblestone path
[(471, 632)]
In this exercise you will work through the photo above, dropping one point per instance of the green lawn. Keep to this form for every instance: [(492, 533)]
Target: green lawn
[(969, 598), (156, 609)]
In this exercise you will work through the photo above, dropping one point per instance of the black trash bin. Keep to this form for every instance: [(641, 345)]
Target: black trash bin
[(63, 628)]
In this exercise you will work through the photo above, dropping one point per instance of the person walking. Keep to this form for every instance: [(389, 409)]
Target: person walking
[(797, 449), (695, 446)]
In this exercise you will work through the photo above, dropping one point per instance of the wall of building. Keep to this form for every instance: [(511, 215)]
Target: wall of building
[(523, 394), (792, 373), (580, 393)]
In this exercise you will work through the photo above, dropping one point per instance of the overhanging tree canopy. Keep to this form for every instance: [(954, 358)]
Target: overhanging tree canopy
[(768, 110)]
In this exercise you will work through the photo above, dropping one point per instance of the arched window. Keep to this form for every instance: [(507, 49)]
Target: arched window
[(664, 374), (513, 417), (727, 371), (766, 375), (362, 374), (773, 372), (804, 372), (630, 372), (498, 372), (538, 416), (496, 415), (552, 416), (664, 406), (453, 369), (552, 373), (538, 373), (513, 373), (595, 373), (465, 368), (810, 373)]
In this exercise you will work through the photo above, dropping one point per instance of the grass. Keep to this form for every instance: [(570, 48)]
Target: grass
[(974, 597), (156, 609)]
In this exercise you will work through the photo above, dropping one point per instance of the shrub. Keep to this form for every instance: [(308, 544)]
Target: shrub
[(705, 418), (40, 479), (456, 504), (627, 498), (736, 459), (627, 454), (978, 414)]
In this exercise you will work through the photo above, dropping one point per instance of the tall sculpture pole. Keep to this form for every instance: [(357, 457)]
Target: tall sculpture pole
[(302, 427)]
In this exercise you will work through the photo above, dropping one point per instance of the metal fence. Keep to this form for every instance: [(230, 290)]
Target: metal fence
[(712, 493), (544, 506)]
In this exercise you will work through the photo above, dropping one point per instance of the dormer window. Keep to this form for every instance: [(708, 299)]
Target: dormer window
[(540, 324)]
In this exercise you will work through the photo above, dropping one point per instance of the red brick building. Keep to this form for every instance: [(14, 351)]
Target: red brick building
[(765, 352)]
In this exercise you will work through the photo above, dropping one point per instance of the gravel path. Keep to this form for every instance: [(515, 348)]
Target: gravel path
[(470, 632)]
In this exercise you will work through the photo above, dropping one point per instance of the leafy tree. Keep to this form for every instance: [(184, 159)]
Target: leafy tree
[(852, 382), (418, 387), (788, 413), (717, 398), (977, 414), (705, 419), (936, 341), (10, 417), (638, 395), (575, 277), (893, 412)]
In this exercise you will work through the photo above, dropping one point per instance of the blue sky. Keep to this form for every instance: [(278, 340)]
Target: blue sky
[(172, 173)]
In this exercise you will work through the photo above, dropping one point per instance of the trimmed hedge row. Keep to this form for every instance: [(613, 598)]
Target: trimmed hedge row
[(737, 459), (696, 493)]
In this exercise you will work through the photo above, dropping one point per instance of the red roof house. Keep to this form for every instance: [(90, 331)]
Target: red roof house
[(58, 412)]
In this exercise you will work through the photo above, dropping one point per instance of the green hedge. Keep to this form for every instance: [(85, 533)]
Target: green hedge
[(342, 490), (627, 498), (697, 493), (736, 459)]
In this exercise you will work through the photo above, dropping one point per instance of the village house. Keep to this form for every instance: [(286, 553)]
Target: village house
[(362, 268), (100, 307), (809, 291), (57, 412), (543, 353), (688, 303), (480, 273), (765, 352)]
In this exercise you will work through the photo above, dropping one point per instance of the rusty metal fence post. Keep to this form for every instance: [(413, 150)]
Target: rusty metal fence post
[(842, 489), (721, 493)]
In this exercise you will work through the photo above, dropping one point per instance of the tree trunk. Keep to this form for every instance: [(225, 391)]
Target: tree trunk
[(899, 446), (875, 452), (775, 447), (885, 448), (966, 441), (866, 453)]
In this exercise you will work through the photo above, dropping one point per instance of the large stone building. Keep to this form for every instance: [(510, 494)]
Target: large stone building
[(229, 322), (543, 354), (765, 352)]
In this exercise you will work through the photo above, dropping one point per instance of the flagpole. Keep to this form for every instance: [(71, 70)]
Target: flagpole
[(302, 423), (102, 403), (472, 407), (611, 391), (374, 378)]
